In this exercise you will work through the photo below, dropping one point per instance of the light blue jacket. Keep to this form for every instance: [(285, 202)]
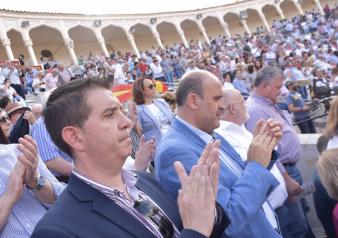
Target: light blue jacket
[(241, 197), (150, 125)]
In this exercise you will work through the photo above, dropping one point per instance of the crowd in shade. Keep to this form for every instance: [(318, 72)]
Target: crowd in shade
[(216, 155)]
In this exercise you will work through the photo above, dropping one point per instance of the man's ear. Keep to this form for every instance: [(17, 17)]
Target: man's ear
[(193, 101), (74, 138)]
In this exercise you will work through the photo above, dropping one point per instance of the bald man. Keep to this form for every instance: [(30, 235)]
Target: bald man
[(232, 128), (243, 187)]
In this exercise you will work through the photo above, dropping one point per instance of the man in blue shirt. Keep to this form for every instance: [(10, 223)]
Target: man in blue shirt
[(300, 110)]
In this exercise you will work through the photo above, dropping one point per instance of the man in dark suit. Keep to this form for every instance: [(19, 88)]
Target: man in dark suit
[(85, 120)]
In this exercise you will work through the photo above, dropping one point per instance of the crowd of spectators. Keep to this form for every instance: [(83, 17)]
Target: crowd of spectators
[(220, 142)]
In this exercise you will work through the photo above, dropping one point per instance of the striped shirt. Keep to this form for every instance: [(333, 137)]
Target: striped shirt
[(46, 148), (27, 211), (129, 179)]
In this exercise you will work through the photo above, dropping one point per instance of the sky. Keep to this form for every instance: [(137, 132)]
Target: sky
[(98, 7)]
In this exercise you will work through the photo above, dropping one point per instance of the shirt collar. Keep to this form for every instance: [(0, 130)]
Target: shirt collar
[(263, 99), (129, 180)]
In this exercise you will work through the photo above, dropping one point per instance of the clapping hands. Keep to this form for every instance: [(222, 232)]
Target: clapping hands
[(197, 196)]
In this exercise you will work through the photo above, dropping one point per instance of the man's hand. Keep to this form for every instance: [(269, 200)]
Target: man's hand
[(262, 144), (306, 108), (144, 154), (272, 126), (292, 187), (15, 185), (29, 160), (197, 196), (275, 128), (29, 116)]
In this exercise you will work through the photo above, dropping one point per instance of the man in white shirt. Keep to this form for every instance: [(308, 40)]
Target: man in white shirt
[(233, 129), (120, 76)]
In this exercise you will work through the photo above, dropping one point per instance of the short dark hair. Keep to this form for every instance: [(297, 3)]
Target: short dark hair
[(191, 82), (138, 88), (267, 75), (67, 106), (3, 139)]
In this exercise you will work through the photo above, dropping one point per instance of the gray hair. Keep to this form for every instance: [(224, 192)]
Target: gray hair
[(328, 171), (267, 75)]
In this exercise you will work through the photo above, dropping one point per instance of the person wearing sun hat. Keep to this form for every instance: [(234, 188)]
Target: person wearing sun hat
[(15, 110)]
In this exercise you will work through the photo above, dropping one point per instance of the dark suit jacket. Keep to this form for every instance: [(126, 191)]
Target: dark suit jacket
[(82, 211)]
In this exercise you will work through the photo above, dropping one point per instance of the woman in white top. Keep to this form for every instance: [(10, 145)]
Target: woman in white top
[(8, 89), (332, 125), (154, 115)]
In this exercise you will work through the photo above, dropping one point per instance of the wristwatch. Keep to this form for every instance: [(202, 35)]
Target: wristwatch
[(40, 182)]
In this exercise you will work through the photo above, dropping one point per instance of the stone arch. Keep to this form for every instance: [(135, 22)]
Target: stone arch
[(234, 23), (50, 38), (254, 20), (331, 3), (289, 8), (271, 13), (212, 26), (18, 45), (307, 5), (85, 41), (143, 36), (115, 38), (168, 33), (191, 30)]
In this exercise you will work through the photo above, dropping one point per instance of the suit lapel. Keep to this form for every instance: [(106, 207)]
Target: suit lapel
[(160, 198), (107, 208), (229, 150), (188, 133)]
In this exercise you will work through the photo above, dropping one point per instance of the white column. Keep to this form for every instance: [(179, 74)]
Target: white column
[(225, 26), (243, 21), (299, 7), (7, 45), (280, 12), (182, 36), (157, 36), (101, 41), (29, 45), (319, 7), (262, 16), (69, 43), (202, 30), (133, 45)]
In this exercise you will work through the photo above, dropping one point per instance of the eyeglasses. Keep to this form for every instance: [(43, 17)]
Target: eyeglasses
[(4, 119), (147, 209), (151, 86)]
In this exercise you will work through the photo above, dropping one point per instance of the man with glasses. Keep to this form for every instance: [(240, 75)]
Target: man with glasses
[(85, 120), (243, 187)]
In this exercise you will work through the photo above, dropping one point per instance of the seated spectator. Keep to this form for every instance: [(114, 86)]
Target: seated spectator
[(240, 84), (12, 94), (154, 115), (28, 188), (328, 173), (332, 125), (299, 109), (58, 162), (323, 203), (243, 187), (16, 111), (170, 98), (101, 198)]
